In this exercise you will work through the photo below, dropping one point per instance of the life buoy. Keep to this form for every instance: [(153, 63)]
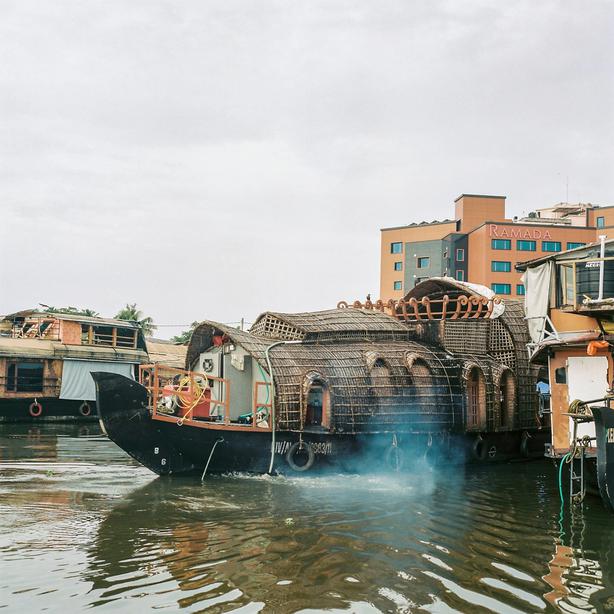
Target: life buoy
[(394, 457), (294, 448), (35, 409), (85, 409), (524, 445)]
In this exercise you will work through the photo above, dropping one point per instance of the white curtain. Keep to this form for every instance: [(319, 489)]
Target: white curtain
[(77, 383), (537, 281)]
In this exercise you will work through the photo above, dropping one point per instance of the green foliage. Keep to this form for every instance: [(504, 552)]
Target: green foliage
[(132, 313), (74, 311), (184, 337)]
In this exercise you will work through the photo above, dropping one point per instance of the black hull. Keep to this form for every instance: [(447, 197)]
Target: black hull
[(54, 410), (167, 448), (604, 430)]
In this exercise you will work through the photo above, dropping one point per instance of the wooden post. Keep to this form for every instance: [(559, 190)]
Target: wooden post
[(575, 290)]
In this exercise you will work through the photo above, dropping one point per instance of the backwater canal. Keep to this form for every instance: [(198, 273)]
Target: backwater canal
[(83, 526)]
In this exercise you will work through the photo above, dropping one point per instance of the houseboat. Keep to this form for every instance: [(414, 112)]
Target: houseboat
[(442, 374), (46, 360), (570, 312)]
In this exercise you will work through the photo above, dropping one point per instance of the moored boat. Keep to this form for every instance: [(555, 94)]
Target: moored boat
[(442, 375), (46, 360), (570, 309)]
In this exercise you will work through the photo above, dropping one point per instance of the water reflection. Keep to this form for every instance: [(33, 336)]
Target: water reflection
[(82, 524)]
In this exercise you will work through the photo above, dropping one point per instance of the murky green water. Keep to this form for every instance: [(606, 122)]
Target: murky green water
[(82, 526)]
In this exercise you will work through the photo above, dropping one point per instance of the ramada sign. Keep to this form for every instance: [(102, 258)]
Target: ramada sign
[(505, 232)]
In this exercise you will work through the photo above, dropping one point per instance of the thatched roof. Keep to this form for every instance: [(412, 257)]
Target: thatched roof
[(299, 326), (166, 352), (202, 339)]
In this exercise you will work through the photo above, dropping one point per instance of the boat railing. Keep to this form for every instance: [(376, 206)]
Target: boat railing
[(446, 308), (36, 328), (111, 336), (30, 385), (199, 399)]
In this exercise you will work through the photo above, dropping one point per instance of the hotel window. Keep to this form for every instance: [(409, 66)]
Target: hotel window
[(501, 288), (396, 248), (460, 255), (501, 244), (398, 285), (398, 266), (572, 245), (500, 266), (424, 263), (520, 289), (551, 246), (526, 246), (600, 222), (460, 275)]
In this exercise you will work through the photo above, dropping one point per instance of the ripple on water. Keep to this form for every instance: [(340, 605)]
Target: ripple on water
[(89, 527)]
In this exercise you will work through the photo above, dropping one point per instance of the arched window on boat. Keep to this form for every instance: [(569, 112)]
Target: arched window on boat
[(475, 386), (420, 374), (506, 398), (381, 377), (316, 401)]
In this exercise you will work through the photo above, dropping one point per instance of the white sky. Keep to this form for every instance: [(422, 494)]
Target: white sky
[(212, 160)]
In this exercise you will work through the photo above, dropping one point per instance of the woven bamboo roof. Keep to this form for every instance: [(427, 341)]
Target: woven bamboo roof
[(166, 352), (301, 325), (202, 339)]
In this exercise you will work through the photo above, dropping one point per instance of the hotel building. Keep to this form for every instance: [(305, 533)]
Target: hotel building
[(482, 246)]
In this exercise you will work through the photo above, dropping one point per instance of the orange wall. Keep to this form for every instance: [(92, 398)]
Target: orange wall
[(70, 332), (404, 235), (481, 253), (473, 211), (608, 214)]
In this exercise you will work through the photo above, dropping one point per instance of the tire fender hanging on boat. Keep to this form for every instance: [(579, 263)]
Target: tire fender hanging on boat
[(524, 444), (35, 409), (393, 457), (479, 448), (85, 409), (291, 453)]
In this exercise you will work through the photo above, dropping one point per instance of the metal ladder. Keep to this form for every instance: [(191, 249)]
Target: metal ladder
[(577, 487)]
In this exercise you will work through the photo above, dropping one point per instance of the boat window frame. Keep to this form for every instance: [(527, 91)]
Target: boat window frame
[(311, 380), (15, 377), (479, 421), (507, 407)]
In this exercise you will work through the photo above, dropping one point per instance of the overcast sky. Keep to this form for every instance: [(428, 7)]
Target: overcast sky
[(212, 160)]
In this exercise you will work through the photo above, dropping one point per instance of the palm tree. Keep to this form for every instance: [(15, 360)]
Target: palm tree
[(132, 313), (184, 337)]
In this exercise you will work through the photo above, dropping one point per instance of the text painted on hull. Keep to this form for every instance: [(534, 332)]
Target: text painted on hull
[(324, 448)]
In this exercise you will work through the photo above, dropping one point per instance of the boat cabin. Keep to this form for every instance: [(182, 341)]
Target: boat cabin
[(46, 359), (570, 313)]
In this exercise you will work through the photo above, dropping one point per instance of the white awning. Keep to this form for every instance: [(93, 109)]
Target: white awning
[(537, 282), (77, 383)]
